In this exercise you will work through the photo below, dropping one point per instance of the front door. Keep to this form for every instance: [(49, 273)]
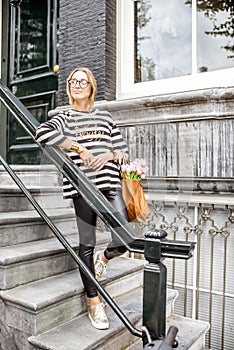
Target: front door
[(33, 55)]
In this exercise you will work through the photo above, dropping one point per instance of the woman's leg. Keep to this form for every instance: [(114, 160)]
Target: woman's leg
[(86, 222), (116, 247)]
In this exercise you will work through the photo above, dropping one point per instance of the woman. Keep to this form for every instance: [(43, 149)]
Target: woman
[(95, 144)]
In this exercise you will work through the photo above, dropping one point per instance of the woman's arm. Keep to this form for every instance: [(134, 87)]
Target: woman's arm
[(75, 147), (51, 133), (100, 161)]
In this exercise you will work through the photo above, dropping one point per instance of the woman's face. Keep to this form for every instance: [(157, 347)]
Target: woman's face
[(80, 87)]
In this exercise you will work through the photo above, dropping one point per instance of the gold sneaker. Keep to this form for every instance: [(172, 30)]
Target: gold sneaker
[(99, 265), (98, 317)]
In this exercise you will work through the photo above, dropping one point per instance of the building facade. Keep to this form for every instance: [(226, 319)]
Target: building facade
[(165, 71)]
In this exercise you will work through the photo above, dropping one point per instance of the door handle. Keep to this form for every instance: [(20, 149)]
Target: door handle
[(56, 68)]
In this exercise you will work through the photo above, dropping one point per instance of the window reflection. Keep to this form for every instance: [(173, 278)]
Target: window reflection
[(215, 28), (163, 45), (32, 35), (163, 37)]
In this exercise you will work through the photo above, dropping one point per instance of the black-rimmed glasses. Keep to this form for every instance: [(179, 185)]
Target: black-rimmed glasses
[(83, 83)]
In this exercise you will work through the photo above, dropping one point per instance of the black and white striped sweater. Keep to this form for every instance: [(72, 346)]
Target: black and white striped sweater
[(94, 130)]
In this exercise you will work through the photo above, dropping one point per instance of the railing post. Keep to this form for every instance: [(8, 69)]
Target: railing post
[(155, 289)]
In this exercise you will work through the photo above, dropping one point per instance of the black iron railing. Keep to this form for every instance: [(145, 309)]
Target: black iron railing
[(154, 246)]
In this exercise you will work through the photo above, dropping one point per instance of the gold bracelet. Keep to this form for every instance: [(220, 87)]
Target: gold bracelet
[(74, 148)]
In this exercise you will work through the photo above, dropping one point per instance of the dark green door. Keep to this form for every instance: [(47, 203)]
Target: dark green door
[(33, 55)]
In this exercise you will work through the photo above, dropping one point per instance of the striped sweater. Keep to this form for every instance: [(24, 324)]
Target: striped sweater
[(94, 130)]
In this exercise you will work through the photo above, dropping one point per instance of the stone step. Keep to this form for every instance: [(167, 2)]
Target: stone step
[(32, 175), (191, 334), (16, 227), (79, 334), (13, 199), (39, 306), (27, 262)]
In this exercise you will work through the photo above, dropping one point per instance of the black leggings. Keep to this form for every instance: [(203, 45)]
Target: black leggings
[(86, 221)]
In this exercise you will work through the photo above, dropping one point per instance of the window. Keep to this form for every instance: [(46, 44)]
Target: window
[(163, 45), (174, 45)]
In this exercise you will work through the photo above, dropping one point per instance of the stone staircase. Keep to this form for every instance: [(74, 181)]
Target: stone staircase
[(42, 302)]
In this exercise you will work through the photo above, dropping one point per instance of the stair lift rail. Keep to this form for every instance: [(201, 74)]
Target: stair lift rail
[(154, 246)]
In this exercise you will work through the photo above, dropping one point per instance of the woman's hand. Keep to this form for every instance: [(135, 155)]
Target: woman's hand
[(100, 161), (87, 157)]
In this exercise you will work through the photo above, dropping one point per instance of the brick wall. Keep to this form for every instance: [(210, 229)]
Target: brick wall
[(87, 35)]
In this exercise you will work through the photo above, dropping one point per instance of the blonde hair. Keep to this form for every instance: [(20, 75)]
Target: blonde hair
[(92, 82)]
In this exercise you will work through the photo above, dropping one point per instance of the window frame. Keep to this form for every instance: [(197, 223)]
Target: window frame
[(126, 88)]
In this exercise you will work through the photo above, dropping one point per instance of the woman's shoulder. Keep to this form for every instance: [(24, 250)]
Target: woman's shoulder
[(60, 113)]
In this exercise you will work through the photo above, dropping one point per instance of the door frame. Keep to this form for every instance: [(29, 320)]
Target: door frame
[(4, 56)]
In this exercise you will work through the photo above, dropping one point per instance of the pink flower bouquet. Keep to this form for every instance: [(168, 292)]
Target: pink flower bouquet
[(135, 170), (132, 190)]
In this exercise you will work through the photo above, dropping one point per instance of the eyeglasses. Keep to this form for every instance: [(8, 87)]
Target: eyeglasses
[(83, 83)]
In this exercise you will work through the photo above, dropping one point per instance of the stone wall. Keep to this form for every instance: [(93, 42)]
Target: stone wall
[(181, 135)]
